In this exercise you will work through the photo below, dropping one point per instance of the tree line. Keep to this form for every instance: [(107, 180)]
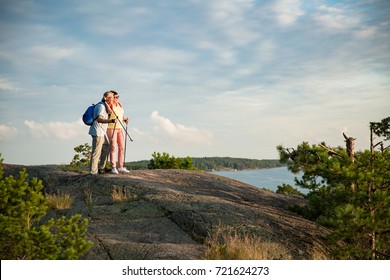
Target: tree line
[(208, 163), (220, 163)]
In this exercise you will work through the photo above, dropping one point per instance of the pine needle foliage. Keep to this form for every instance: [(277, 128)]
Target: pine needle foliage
[(351, 197)]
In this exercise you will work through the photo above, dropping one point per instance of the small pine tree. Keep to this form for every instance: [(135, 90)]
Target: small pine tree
[(23, 236), (82, 156)]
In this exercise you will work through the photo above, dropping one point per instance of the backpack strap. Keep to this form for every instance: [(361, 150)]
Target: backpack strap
[(95, 118)]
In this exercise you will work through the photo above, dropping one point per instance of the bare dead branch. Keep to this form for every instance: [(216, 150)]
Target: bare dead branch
[(330, 151), (380, 143)]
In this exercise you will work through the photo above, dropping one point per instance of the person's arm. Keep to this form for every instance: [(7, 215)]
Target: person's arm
[(100, 110), (101, 119)]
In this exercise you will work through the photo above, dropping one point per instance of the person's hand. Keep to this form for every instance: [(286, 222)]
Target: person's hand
[(113, 120), (126, 120)]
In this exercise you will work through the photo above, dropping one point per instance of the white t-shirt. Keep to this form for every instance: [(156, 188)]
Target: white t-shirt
[(97, 128)]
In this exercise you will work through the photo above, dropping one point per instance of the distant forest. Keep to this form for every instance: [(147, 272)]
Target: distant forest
[(218, 163)]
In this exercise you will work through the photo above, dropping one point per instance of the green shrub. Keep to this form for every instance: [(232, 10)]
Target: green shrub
[(165, 161), (288, 189)]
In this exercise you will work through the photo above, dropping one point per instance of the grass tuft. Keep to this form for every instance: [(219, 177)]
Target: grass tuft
[(60, 201), (225, 243), (88, 197), (121, 194)]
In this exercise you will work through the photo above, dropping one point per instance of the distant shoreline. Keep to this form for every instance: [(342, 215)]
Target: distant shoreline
[(244, 169)]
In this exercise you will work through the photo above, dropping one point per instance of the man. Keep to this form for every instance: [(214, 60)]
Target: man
[(115, 134), (100, 143)]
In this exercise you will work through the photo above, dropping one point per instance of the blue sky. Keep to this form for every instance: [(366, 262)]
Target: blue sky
[(197, 78)]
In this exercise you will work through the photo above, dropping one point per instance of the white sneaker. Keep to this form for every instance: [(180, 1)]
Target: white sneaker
[(114, 171), (123, 170)]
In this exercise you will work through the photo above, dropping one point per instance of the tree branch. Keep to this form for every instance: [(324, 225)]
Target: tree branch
[(330, 151)]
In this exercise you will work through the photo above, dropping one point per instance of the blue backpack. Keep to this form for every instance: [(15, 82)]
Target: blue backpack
[(88, 118)]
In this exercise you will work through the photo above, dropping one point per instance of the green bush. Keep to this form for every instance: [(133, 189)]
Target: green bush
[(288, 189), (165, 161)]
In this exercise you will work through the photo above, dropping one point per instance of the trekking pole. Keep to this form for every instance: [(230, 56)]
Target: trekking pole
[(112, 136), (124, 156), (122, 126), (110, 140)]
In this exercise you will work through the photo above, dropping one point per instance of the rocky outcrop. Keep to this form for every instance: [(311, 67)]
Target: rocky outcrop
[(168, 214)]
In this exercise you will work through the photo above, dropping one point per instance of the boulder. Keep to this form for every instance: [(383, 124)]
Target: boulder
[(169, 214)]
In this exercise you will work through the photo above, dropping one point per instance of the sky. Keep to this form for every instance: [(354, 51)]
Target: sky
[(197, 78)]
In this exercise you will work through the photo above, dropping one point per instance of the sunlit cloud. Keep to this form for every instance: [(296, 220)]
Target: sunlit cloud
[(5, 84), (178, 133), (233, 20), (336, 19), (287, 11), (56, 130), (8, 133)]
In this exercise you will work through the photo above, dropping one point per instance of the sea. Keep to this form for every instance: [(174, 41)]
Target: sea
[(267, 178)]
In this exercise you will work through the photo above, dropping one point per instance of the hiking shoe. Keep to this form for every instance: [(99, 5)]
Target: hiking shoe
[(114, 171), (123, 170), (101, 171)]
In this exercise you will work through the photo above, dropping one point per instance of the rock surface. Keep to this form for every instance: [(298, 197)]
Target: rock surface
[(168, 214)]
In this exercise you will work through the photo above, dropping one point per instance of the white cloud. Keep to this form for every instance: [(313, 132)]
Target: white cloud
[(365, 32), (56, 130), (224, 53), (336, 19), (288, 11), (5, 84), (8, 133), (178, 133), (38, 130), (234, 19), (51, 52), (157, 57), (114, 18)]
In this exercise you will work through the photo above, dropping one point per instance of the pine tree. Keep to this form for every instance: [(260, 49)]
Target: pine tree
[(348, 194), (82, 156)]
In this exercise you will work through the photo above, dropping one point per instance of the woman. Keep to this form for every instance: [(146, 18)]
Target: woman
[(116, 136)]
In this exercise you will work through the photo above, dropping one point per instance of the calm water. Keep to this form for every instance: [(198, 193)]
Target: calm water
[(263, 178)]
